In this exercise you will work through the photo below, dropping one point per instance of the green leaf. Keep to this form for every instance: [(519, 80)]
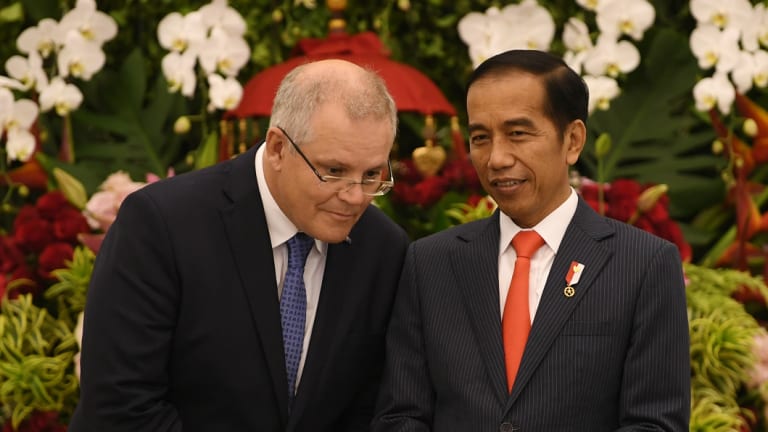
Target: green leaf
[(207, 154), (39, 9), (12, 13), (133, 81), (655, 136)]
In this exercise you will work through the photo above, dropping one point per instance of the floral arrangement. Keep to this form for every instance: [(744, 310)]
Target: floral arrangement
[(654, 177), (419, 201), (72, 50), (43, 239), (528, 25), (644, 206), (38, 347), (211, 39)]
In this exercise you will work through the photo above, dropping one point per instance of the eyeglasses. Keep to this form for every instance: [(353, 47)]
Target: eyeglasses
[(370, 186)]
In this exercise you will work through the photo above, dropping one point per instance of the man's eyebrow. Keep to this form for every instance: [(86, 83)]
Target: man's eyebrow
[(519, 121)]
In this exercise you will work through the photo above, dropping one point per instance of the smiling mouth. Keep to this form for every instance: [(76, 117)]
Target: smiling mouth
[(506, 183)]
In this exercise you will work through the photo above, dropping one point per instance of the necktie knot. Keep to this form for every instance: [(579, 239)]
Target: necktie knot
[(526, 243), (298, 249)]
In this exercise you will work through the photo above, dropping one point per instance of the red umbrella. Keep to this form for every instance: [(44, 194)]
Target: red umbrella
[(411, 90)]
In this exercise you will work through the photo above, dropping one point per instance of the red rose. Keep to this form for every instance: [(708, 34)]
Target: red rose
[(623, 195), (33, 235), (51, 203), (68, 224), (461, 173), (405, 171), (430, 190), (26, 214), (38, 422), (10, 255), (53, 257), (24, 282), (403, 193), (658, 213), (589, 191)]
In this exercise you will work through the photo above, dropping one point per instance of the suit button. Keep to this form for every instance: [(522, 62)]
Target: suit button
[(508, 427)]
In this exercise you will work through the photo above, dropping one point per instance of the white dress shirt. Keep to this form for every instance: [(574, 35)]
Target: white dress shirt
[(281, 229), (552, 230)]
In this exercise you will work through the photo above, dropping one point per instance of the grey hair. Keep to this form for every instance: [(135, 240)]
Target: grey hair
[(300, 95)]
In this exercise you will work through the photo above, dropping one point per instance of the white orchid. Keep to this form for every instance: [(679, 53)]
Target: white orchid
[(80, 57), (225, 93), (714, 91), (722, 14), (751, 69), (210, 37), (20, 116), (28, 70), (176, 32), (92, 24), (16, 117), (486, 34), (6, 107), (611, 57), (43, 38), (20, 145), (576, 35), (629, 17), (715, 47), (10, 83), (754, 30), (61, 96), (218, 14), (591, 5), (533, 24), (179, 71), (517, 26), (223, 53), (602, 90)]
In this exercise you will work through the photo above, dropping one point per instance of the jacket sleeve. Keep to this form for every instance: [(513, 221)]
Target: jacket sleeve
[(656, 384), (129, 321), (406, 398)]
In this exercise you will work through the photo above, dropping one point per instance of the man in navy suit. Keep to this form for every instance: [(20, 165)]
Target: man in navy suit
[(607, 343), (183, 325)]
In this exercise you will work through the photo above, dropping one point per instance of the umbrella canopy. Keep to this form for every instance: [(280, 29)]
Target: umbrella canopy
[(411, 90)]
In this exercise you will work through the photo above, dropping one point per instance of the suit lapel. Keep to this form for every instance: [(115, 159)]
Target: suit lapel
[(581, 243), (248, 235), (477, 257)]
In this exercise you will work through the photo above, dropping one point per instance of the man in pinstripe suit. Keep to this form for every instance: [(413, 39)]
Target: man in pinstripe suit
[(607, 348)]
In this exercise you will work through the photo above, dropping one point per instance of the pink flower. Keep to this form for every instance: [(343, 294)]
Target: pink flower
[(101, 209), (759, 373)]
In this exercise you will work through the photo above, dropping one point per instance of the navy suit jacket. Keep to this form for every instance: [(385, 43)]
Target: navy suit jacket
[(182, 321), (613, 357)]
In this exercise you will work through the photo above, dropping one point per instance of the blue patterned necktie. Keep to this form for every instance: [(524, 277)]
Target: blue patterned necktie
[(293, 307)]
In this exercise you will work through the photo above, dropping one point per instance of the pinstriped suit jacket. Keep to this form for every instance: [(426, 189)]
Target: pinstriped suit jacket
[(614, 357)]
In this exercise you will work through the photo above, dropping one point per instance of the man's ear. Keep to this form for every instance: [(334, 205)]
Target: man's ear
[(275, 148), (575, 137)]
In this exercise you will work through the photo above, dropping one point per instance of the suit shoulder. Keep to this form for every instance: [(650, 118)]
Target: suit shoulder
[(454, 234), (375, 223), (634, 240)]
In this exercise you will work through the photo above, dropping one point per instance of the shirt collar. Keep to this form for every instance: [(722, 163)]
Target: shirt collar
[(551, 228), (281, 229)]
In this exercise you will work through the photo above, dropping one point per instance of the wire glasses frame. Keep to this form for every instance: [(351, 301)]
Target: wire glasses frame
[(370, 187)]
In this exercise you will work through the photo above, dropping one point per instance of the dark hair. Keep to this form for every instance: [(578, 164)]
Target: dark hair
[(566, 93)]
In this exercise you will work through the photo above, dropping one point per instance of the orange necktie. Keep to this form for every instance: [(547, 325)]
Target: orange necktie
[(516, 322)]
